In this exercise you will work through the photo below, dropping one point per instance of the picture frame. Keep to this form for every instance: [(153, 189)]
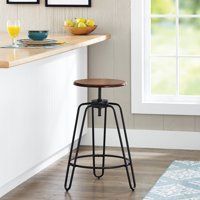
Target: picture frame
[(68, 3), (23, 1)]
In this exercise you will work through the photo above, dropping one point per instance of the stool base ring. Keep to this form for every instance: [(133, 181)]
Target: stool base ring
[(101, 155)]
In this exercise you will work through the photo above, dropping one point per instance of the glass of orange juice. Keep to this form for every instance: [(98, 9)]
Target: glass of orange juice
[(13, 28)]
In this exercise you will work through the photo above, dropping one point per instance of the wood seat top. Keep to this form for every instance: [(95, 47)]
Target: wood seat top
[(100, 83)]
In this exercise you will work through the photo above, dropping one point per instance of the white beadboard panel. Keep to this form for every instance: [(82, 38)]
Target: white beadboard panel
[(28, 23), (38, 107), (109, 59), (70, 2), (7, 12)]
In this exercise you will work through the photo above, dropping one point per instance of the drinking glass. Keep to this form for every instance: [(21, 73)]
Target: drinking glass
[(13, 28)]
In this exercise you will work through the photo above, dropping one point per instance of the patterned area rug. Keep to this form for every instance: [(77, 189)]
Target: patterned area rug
[(181, 181)]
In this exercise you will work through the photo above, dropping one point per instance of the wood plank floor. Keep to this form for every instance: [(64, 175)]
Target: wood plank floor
[(149, 166)]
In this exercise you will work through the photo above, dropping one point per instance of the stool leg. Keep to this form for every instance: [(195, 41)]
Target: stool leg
[(104, 140), (104, 144), (127, 143), (93, 144), (78, 146), (122, 148)]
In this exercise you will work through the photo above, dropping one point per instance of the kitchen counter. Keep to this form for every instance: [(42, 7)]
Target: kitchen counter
[(38, 105), (14, 57)]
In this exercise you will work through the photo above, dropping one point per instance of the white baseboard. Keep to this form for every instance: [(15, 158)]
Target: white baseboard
[(137, 138), (33, 171), (148, 139)]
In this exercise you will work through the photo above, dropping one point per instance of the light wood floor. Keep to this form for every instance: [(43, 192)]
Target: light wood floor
[(149, 166)]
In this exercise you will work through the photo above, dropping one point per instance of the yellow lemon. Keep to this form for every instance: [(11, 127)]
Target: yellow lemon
[(69, 23), (76, 24), (90, 22), (81, 25), (83, 20)]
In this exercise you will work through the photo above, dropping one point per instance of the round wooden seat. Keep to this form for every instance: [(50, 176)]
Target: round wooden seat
[(100, 83)]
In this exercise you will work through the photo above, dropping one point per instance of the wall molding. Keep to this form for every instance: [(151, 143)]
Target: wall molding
[(33, 171), (148, 139)]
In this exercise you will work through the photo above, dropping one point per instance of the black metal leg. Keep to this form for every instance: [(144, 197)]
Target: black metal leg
[(104, 145), (127, 143), (123, 151), (78, 146), (104, 140), (93, 145)]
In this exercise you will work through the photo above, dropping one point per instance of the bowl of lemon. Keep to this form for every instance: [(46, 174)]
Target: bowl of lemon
[(80, 26)]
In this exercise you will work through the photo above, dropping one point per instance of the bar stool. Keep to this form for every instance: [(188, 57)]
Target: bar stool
[(100, 104)]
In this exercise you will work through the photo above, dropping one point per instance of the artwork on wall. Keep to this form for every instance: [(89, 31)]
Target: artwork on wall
[(23, 1), (68, 3)]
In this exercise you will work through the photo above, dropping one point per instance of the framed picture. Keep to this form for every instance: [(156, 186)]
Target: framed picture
[(23, 1), (68, 3)]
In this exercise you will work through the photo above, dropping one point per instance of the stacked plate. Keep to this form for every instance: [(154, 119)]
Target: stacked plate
[(47, 42)]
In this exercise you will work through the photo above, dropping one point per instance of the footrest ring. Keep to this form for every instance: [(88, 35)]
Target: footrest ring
[(100, 155)]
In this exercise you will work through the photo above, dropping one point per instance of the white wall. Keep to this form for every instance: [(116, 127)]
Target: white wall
[(38, 105)]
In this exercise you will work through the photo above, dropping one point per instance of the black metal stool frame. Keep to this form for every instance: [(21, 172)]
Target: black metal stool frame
[(100, 104)]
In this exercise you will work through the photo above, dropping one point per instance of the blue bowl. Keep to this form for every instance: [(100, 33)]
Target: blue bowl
[(37, 35)]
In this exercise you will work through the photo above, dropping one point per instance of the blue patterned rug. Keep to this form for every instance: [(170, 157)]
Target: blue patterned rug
[(181, 181)]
